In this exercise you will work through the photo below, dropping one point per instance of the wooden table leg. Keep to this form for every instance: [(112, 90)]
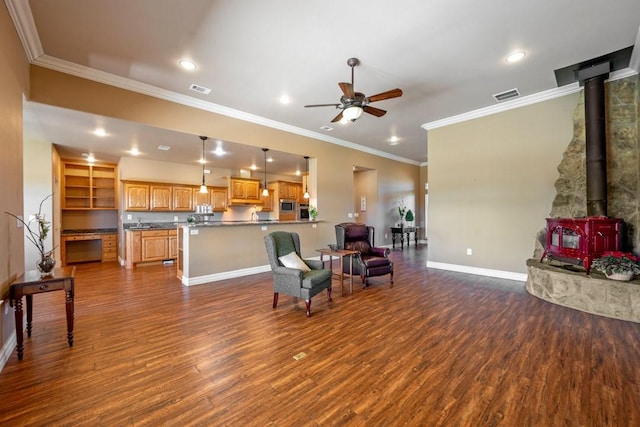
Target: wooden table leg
[(29, 315), (351, 274), (341, 276), (69, 309), (19, 329)]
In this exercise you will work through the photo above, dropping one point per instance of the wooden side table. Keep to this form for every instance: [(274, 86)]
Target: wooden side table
[(340, 253), (31, 283), (401, 231)]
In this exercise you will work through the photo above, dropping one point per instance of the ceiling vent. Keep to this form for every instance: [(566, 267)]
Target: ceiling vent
[(508, 94), (200, 89)]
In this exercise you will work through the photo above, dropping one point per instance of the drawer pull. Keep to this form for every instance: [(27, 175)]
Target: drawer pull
[(44, 287)]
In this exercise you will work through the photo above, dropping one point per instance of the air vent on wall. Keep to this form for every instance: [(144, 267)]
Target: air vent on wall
[(508, 94), (200, 89)]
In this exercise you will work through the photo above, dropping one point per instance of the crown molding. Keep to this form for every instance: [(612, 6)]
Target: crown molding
[(20, 13), (146, 89), (520, 102)]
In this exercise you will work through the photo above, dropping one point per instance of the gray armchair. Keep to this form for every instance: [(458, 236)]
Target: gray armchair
[(293, 281), (369, 261)]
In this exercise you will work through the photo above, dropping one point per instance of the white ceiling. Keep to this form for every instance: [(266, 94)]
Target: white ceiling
[(448, 57)]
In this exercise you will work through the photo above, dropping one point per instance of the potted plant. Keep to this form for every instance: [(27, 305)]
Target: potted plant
[(409, 217), (313, 213), (617, 265), (37, 235)]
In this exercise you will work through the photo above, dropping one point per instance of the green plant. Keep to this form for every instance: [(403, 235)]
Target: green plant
[(409, 215), (617, 262), (313, 211)]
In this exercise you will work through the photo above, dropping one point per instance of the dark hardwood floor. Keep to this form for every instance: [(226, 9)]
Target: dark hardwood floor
[(437, 348)]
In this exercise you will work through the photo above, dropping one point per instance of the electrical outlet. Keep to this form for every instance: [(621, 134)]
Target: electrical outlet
[(263, 228), (314, 225), (469, 251), (192, 232), (386, 235), (356, 215), (175, 218), (129, 217), (349, 215)]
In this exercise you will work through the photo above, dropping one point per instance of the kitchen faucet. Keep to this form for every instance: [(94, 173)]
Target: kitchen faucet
[(254, 215)]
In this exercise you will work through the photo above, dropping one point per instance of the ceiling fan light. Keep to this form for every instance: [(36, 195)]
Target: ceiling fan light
[(352, 113)]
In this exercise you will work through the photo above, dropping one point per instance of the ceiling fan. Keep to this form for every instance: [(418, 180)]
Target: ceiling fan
[(354, 103)]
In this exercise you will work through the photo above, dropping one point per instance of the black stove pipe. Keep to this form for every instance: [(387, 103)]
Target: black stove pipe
[(596, 146)]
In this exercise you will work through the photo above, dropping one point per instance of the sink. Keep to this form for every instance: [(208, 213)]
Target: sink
[(139, 227)]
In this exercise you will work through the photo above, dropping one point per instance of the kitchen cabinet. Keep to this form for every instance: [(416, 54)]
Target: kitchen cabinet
[(88, 187), (287, 190), (143, 196), (136, 197), (244, 191), (160, 197), (150, 246), (216, 198), (181, 198), (268, 204)]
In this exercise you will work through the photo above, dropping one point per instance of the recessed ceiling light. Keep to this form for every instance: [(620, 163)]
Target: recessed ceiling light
[(327, 128), (219, 151), (253, 167), (90, 158), (187, 65), (284, 99), (100, 132), (394, 140), (515, 57), (164, 147), (134, 151)]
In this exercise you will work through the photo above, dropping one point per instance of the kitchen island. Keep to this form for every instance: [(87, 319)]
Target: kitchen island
[(208, 252)]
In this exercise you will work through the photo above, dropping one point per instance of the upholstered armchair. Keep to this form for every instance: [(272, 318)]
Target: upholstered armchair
[(291, 274), (369, 261)]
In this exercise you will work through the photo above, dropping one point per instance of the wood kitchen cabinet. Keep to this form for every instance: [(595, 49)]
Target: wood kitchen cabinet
[(136, 197), (244, 191), (216, 198), (268, 204), (160, 197), (150, 246), (89, 187), (287, 190), (181, 198)]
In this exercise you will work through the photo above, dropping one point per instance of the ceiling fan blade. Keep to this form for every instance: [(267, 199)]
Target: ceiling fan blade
[(393, 93), (337, 118), (323, 105), (373, 110), (347, 90)]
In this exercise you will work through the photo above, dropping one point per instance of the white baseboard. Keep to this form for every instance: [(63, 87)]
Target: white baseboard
[(7, 349), (199, 280), (521, 277)]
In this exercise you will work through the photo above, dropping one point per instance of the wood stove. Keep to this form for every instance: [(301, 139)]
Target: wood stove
[(582, 239)]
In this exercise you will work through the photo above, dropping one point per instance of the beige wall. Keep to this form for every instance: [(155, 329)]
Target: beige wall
[(14, 83), (334, 163), (491, 184)]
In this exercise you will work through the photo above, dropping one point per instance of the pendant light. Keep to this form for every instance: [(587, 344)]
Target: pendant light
[(203, 187), (306, 186), (265, 192)]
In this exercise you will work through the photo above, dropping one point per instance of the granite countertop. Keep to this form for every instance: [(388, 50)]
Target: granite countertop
[(90, 231), (172, 225)]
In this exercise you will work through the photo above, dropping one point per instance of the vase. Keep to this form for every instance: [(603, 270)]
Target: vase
[(623, 277), (46, 265)]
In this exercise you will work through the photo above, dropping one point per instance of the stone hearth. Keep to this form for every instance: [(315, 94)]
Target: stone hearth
[(592, 293)]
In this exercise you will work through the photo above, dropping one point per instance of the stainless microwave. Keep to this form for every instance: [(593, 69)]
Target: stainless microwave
[(287, 206)]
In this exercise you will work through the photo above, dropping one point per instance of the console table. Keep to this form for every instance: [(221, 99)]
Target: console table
[(402, 231), (31, 283)]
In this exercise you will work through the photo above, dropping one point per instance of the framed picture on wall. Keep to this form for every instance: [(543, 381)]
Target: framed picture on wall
[(363, 203)]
